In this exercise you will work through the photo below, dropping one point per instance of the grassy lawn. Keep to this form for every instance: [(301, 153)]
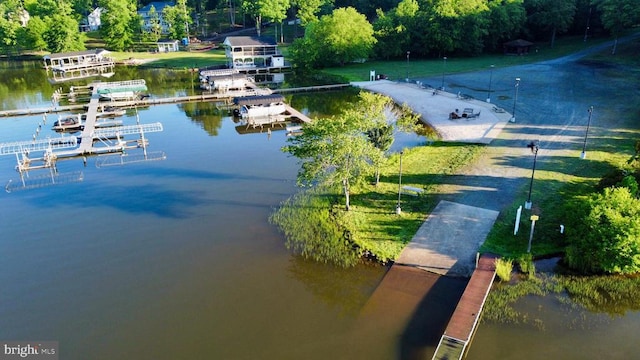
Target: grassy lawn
[(374, 223), (421, 68)]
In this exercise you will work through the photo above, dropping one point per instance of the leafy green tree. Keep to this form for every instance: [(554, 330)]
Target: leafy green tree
[(154, 32), (450, 26), (119, 20), (178, 19), (393, 30), (607, 239), (555, 16), (9, 29), (334, 151), (62, 34), (307, 10), (276, 11), (254, 8), (335, 39), (617, 15), (33, 34), (506, 20), (48, 8)]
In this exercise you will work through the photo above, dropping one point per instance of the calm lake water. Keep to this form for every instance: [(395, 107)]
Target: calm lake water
[(176, 259)]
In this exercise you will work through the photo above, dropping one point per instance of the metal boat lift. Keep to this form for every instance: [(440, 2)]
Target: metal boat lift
[(93, 141)]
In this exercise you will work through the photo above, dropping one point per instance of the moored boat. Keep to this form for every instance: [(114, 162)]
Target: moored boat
[(260, 106)]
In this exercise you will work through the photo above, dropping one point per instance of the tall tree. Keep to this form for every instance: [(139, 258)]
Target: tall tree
[(276, 11), (334, 152), (254, 8), (178, 18), (118, 23), (33, 34), (506, 20), (307, 10), (341, 37), (9, 26), (62, 34), (554, 16), (618, 15), (393, 30), (154, 32)]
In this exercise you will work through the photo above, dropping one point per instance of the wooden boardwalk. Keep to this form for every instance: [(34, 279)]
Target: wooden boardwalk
[(459, 332)]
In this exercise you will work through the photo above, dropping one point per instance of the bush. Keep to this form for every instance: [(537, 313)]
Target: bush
[(526, 265), (607, 240), (504, 267)]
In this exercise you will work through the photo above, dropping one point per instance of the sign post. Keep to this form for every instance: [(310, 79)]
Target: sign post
[(534, 218)]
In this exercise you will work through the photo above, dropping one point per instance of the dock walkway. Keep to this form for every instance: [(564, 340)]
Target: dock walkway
[(459, 332)]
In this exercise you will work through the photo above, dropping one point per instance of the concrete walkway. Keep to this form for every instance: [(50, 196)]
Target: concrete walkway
[(447, 242)]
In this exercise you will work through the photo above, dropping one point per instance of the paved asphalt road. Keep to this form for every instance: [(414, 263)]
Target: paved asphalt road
[(552, 107)]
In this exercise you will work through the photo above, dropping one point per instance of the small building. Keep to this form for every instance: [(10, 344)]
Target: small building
[(517, 47), (93, 19), (147, 19), (168, 46), (251, 52), (78, 64), (23, 16)]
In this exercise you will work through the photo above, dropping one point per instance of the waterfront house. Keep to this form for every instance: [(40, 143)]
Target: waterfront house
[(252, 52), (93, 19), (146, 16)]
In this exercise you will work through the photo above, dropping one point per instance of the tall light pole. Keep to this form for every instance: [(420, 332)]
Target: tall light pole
[(515, 100), (444, 66), (407, 78), (534, 146), (583, 155), (490, 78), (398, 209), (586, 30)]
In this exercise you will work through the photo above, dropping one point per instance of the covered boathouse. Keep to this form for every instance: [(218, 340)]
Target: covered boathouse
[(78, 64), (252, 54)]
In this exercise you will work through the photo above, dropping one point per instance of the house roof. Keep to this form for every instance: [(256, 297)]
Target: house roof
[(518, 43), (248, 41), (76, 53), (158, 5)]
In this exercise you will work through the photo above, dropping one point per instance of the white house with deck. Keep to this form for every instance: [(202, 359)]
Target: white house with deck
[(147, 18), (252, 52)]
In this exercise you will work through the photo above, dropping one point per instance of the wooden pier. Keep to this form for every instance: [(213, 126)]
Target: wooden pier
[(220, 96), (311, 88), (462, 326)]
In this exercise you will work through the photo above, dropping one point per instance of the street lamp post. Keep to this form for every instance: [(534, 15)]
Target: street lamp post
[(515, 100), (534, 146), (583, 155), (407, 78), (444, 66), (490, 78), (398, 209)]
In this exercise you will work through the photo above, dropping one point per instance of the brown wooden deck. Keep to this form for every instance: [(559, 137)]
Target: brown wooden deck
[(464, 320)]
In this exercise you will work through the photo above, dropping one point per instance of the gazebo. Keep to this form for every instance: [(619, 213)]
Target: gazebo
[(517, 47)]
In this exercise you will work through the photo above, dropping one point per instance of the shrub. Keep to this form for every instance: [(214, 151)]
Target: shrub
[(504, 267), (526, 265)]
